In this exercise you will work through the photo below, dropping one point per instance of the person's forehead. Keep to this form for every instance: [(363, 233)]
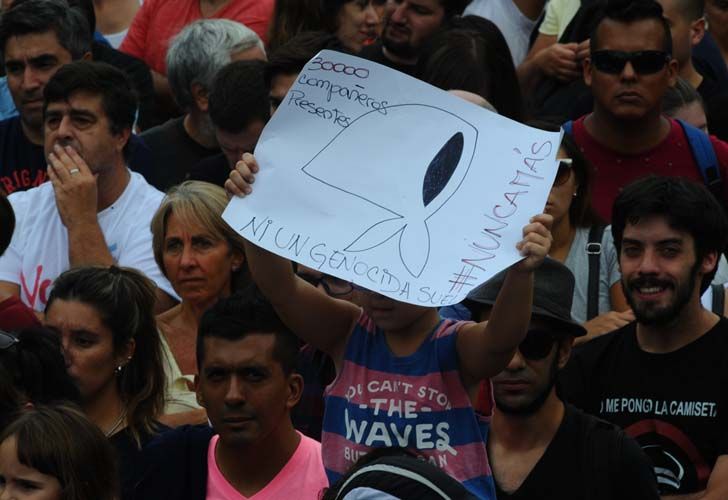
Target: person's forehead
[(652, 229), (644, 34), (83, 101), (255, 349), (32, 45)]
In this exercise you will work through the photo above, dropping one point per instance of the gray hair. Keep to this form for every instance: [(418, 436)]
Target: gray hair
[(200, 50)]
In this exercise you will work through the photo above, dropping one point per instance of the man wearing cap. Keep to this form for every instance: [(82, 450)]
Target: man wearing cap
[(538, 446)]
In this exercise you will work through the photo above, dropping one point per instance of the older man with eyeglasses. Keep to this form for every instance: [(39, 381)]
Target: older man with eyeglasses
[(629, 69)]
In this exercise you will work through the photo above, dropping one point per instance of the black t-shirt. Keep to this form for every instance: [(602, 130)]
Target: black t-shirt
[(375, 52), (174, 153), (214, 169), (129, 458), (23, 164), (564, 473), (675, 404)]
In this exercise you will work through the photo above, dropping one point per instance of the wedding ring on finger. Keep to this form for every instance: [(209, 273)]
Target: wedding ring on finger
[(73, 171)]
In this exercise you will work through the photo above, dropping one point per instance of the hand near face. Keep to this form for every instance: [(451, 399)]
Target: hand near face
[(536, 242), (560, 61), (74, 185), (242, 176)]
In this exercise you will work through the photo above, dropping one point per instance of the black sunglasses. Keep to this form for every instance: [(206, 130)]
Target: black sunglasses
[(564, 171), (7, 341), (644, 62), (537, 344)]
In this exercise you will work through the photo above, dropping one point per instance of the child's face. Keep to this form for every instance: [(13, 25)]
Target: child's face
[(389, 314)]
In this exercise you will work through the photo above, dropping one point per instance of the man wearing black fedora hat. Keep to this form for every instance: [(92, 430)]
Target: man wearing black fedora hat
[(538, 446)]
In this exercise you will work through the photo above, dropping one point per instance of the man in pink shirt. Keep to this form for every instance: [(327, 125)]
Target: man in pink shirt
[(246, 383)]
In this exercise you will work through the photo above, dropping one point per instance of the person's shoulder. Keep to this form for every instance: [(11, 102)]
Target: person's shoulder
[(604, 347), (213, 169), (179, 440), (35, 197), (143, 193), (160, 132)]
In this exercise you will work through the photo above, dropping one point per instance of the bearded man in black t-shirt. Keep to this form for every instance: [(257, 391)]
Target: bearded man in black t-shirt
[(664, 378), (539, 447)]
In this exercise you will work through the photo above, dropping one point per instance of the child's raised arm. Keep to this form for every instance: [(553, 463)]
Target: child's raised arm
[(320, 320), (486, 348)]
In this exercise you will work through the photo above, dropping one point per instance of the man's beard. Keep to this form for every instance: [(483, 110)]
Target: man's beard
[(399, 49), (649, 315), (537, 402)]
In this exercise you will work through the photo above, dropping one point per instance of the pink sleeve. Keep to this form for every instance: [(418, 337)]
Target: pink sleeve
[(136, 37)]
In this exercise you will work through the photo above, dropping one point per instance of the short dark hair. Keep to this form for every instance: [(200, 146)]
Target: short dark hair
[(118, 98), (27, 17), (691, 10), (471, 54), (242, 314), (679, 96), (292, 56), (687, 205), (239, 96), (630, 11), (454, 7)]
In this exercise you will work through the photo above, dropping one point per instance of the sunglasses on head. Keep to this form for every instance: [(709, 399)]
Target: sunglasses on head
[(7, 341), (644, 62), (564, 171), (537, 344)]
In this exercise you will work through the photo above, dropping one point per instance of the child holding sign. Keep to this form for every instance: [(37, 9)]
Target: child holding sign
[(405, 377)]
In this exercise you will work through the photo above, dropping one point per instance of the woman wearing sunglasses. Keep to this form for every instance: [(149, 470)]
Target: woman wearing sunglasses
[(569, 203)]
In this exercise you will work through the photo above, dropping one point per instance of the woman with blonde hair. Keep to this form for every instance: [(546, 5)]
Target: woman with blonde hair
[(203, 259)]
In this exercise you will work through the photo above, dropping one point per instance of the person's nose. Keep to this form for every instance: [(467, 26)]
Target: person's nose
[(64, 130), (371, 18), (235, 394), (649, 264), (399, 14), (188, 258), (628, 72), (31, 80), (517, 362)]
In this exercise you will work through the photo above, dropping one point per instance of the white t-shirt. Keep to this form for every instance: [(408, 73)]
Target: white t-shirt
[(38, 251), (514, 25)]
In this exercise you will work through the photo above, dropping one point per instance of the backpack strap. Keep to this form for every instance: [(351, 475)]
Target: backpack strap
[(718, 299), (568, 127), (594, 252), (705, 157)]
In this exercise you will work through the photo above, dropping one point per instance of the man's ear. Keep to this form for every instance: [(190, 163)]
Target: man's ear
[(88, 56), (564, 353), (199, 95), (697, 31), (122, 138), (586, 69), (295, 389), (710, 262), (198, 392)]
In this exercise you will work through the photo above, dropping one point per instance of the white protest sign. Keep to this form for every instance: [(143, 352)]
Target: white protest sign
[(377, 178)]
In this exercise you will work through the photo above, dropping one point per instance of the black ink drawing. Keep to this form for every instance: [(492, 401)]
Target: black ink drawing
[(434, 168)]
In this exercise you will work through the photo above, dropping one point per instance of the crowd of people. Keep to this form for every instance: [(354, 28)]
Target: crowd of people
[(148, 350)]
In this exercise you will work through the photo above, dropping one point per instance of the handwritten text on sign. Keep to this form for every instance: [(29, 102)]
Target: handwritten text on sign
[(377, 178)]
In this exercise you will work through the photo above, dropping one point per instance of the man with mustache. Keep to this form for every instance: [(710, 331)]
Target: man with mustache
[(247, 382), (664, 378), (408, 25), (538, 446), (629, 69)]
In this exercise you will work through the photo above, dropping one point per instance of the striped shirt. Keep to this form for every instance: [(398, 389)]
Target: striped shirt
[(416, 402)]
